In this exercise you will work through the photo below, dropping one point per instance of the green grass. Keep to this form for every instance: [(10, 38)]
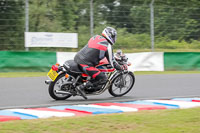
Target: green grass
[(165, 72), (39, 74), (154, 121), (22, 74), (131, 50)]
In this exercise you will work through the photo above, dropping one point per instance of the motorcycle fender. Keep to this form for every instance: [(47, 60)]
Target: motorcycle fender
[(115, 74), (59, 73)]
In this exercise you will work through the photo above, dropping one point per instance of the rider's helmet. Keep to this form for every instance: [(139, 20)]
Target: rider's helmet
[(110, 34)]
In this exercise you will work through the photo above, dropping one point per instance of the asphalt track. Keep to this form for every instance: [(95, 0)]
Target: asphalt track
[(33, 92)]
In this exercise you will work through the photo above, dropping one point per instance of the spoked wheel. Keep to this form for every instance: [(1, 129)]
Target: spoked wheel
[(122, 84), (57, 90)]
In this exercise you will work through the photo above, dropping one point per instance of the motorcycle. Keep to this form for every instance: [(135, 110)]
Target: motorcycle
[(65, 79)]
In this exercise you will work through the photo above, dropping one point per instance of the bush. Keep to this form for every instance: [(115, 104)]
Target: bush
[(83, 36), (129, 40), (126, 40), (166, 43)]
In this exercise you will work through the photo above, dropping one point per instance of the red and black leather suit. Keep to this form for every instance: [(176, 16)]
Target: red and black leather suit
[(89, 56)]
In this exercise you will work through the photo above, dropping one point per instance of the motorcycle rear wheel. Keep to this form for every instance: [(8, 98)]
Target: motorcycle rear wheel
[(120, 87), (52, 88)]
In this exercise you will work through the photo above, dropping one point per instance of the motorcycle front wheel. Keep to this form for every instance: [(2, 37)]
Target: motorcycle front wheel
[(56, 86), (122, 84)]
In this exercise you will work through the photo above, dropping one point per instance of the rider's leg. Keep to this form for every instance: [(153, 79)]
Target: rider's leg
[(98, 78)]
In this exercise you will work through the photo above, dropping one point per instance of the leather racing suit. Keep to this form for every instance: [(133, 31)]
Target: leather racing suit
[(89, 56)]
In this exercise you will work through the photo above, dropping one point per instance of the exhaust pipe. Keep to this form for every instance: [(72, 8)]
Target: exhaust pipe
[(62, 92), (47, 82)]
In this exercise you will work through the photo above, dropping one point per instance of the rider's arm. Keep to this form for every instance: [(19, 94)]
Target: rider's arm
[(111, 59)]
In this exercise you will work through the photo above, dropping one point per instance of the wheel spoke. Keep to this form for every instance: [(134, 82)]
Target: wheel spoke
[(115, 89), (58, 85), (122, 84)]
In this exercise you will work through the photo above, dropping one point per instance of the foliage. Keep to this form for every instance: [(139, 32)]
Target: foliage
[(128, 40), (8, 25), (167, 43), (177, 20), (177, 23)]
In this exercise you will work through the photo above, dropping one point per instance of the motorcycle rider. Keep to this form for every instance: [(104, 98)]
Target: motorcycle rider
[(89, 56)]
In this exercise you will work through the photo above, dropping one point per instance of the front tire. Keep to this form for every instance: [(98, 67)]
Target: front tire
[(122, 84), (53, 86)]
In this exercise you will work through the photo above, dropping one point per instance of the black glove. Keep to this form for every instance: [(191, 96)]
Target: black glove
[(125, 67), (117, 66)]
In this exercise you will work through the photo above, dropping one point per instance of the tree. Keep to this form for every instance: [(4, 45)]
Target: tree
[(44, 17), (11, 24), (55, 15), (177, 20)]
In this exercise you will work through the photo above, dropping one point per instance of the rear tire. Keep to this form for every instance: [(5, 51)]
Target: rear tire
[(116, 84), (52, 89)]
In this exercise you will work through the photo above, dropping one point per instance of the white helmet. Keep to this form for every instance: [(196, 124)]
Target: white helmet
[(110, 34)]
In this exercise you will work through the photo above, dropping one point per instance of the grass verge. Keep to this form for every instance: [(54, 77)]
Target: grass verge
[(132, 50), (154, 121), (22, 74), (39, 74), (165, 72)]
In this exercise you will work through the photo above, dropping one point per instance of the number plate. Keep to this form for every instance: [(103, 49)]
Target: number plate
[(52, 74)]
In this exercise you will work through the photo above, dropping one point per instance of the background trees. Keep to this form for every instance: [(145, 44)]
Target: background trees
[(177, 23), (11, 24)]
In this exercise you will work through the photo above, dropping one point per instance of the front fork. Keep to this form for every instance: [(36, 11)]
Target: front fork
[(121, 81)]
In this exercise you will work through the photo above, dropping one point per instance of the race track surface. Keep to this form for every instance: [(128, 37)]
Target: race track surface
[(33, 92)]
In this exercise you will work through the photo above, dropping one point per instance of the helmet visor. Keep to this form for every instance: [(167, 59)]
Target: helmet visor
[(114, 37)]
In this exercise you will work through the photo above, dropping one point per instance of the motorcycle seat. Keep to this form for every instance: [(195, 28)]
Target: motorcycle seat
[(72, 66)]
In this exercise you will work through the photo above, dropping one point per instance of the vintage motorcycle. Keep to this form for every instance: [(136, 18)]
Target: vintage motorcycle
[(65, 79)]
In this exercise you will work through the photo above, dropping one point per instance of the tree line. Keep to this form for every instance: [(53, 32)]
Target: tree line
[(176, 23)]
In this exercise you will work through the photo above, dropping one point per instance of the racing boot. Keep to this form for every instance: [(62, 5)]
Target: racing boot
[(80, 90), (85, 86)]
